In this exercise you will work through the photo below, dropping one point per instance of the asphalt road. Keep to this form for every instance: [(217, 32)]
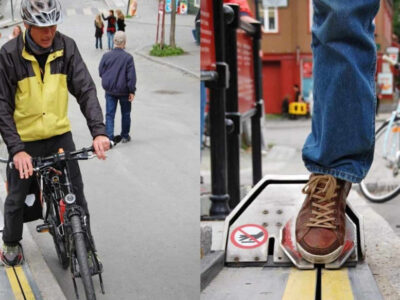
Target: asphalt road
[(143, 198)]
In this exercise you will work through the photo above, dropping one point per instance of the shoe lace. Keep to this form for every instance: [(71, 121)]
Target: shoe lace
[(322, 191)]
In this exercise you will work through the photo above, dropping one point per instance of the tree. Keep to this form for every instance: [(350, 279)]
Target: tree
[(396, 17), (172, 29)]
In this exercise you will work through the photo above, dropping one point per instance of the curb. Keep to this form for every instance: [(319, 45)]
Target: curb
[(41, 274), (156, 60), (211, 265)]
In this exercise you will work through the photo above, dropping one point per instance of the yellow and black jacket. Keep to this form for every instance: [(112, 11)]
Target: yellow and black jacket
[(32, 108)]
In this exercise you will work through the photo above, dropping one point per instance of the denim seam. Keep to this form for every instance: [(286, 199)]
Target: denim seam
[(366, 158), (334, 172)]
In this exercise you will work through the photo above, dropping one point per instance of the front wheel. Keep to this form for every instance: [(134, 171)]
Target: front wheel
[(382, 182), (82, 257)]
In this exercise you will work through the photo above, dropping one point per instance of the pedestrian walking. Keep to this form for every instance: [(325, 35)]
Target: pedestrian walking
[(99, 25), (111, 29), (118, 78), (120, 20)]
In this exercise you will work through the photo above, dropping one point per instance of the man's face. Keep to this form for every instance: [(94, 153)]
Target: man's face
[(43, 36)]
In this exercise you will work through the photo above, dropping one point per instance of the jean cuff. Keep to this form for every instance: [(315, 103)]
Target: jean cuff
[(335, 173)]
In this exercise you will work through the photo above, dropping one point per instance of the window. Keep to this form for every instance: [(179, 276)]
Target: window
[(271, 19)]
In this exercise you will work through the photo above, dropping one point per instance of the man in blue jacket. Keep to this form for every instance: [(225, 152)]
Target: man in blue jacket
[(118, 77)]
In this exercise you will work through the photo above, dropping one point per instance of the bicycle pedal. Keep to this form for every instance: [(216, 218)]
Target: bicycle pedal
[(43, 228)]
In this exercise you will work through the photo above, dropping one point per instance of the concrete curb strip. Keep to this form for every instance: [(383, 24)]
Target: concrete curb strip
[(156, 60), (211, 265), (43, 277), (382, 248)]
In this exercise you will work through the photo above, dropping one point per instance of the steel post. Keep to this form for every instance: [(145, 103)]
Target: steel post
[(232, 105), (256, 119), (219, 197)]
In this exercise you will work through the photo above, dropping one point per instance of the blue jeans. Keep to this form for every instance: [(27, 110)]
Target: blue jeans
[(343, 125), (99, 42), (110, 38), (111, 108)]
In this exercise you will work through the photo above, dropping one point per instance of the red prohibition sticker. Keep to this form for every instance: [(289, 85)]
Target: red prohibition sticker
[(249, 236)]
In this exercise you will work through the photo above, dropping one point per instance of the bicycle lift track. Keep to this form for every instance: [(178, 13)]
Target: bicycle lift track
[(17, 282), (253, 265)]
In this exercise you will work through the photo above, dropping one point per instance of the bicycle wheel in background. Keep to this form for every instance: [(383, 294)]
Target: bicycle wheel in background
[(82, 257), (382, 182)]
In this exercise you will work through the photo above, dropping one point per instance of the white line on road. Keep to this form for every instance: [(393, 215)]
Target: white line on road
[(87, 11), (71, 12)]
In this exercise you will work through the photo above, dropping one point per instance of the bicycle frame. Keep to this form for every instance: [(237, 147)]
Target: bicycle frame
[(64, 219), (59, 202)]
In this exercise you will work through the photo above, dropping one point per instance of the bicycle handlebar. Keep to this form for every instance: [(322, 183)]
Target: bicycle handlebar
[(43, 162)]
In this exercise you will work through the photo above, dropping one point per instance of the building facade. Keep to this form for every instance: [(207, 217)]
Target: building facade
[(286, 48)]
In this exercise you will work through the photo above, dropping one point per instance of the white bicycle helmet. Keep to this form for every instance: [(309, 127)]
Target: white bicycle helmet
[(41, 13)]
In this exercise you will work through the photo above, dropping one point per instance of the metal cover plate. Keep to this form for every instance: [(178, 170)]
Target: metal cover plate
[(268, 212)]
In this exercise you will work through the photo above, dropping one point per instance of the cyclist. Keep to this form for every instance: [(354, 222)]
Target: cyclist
[(37, 69)]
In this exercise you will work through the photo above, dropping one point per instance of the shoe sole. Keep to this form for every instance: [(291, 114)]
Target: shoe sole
[(319, 259)]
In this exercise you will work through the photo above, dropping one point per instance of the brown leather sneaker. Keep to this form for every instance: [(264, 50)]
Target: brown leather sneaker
[(320, 224)]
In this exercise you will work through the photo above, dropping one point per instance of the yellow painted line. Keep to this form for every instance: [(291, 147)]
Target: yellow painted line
[(335, 285), (12, 278), (301, 285), (29, 295)]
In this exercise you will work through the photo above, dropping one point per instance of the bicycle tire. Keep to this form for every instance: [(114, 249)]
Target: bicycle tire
[(375, 191), (82, 257)]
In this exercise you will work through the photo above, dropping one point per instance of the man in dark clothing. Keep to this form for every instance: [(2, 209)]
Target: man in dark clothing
[(117, 71), (37, 70)]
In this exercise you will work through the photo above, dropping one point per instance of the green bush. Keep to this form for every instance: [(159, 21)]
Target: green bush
[(165, 51)]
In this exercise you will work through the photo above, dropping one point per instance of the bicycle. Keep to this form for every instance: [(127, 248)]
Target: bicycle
[(382, 182), (64, 219)]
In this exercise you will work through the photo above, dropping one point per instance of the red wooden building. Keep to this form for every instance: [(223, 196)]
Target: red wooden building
[(286, 47)]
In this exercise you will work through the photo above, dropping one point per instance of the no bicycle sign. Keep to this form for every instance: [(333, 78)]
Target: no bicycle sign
[(249, 236)]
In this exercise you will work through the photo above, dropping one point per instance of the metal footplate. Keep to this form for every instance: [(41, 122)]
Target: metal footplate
[(261, 229), (348, 255)]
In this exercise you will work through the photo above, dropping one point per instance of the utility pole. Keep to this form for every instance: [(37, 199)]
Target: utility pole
[(173, 22)]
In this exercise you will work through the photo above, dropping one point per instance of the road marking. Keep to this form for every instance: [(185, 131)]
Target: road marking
[(12, 278), (71, 12), (87, 11), (301, 285), (24, 283), (335, 285)]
